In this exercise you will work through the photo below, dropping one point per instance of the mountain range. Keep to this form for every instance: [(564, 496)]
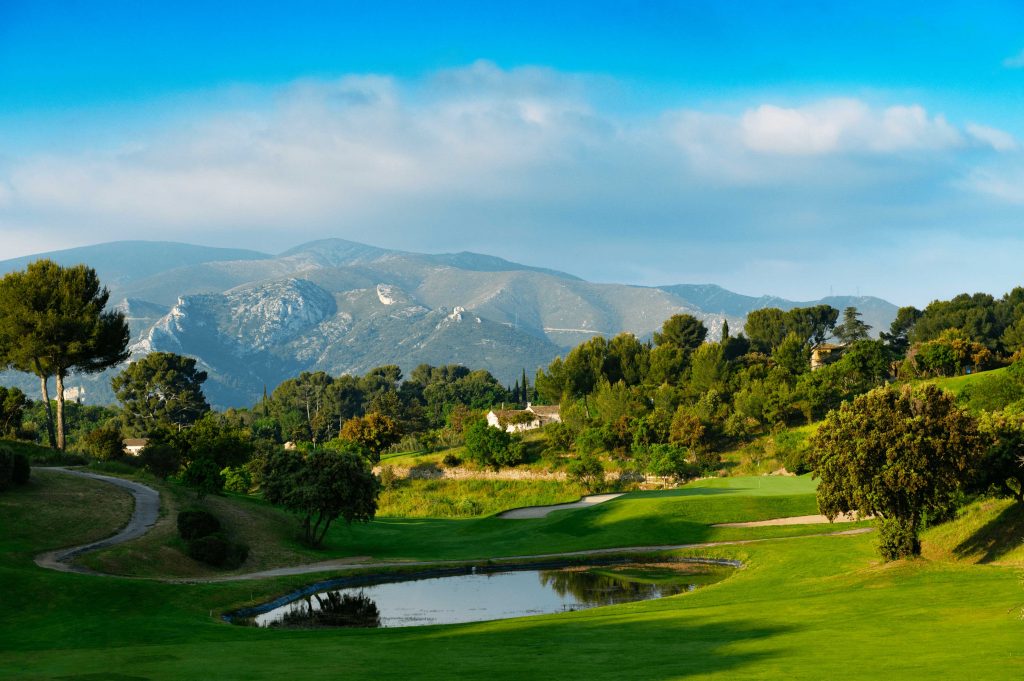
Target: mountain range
[(253, 319)]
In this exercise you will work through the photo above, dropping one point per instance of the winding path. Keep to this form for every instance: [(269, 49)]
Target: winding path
[(147, 509)]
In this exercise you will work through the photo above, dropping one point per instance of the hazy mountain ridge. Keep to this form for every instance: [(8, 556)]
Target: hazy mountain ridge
[(712, 298), (253, 320), (120, 262)]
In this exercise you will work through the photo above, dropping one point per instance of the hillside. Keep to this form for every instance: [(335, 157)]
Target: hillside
[(333, 305)]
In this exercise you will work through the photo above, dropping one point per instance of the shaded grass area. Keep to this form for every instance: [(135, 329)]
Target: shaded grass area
[(472, 497), (987, 531)]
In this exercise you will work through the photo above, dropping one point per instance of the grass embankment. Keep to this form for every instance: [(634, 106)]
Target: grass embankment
[(986, 531), (810, 608), (43, 456), (957, 384), (471, 497)]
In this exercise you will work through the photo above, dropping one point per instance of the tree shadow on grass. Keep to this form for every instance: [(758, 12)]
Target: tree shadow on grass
[(995, 539), (656, 646)]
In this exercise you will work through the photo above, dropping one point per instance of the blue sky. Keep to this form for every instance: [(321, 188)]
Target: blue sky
[(787, 148)]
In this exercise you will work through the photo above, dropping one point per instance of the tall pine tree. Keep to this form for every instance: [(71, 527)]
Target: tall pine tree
[(53, 321)]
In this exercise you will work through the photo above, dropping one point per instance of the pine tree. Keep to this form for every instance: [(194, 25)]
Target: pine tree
[(852, 329), (52, 322)]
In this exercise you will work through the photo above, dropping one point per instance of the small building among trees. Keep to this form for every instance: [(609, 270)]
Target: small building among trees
[(520, 420), (132, 445), (824, 354)]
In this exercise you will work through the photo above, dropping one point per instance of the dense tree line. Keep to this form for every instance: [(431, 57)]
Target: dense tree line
[(681, 398), (668, 405)]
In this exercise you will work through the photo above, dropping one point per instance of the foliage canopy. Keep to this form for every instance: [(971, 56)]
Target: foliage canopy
[(896, 453)]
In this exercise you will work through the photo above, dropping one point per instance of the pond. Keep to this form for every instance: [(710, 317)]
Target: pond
[(459, 595)]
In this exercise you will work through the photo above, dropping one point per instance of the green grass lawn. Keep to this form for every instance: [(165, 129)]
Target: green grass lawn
[(956, 384), (637, 519), (802, 608)]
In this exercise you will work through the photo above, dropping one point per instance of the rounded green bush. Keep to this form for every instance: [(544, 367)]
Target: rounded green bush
[(196, 524), (217, 551), (21, 470)]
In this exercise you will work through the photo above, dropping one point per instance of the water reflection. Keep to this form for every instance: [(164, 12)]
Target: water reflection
[(330, 609), (594, 588), (479, 596)]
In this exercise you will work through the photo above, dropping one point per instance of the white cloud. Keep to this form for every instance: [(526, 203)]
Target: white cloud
[(1002, 183), (844, 125), (1015, 62), (999, 140), (505, 160)]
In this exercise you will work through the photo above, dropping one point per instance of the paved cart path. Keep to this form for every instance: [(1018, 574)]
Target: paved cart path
[(147, 509)]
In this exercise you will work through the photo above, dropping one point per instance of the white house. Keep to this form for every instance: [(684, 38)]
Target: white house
[(133, 446), (547, 413), (519, 420)]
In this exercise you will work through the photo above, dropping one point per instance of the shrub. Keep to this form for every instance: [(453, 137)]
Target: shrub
[(706, 461), (388, 477), (492, 447), (996, 393), (236, 480), (195, 524), (558, 436), (589, 441), (686, 429), (217, 551), (450, 460), (204, 476), (897, 538), (21, 470), (740, 427), (160, 459), (468, 507), (588, 472), (104, 443), (793, 449), (14, 468), (6, 468), (667, 461)]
